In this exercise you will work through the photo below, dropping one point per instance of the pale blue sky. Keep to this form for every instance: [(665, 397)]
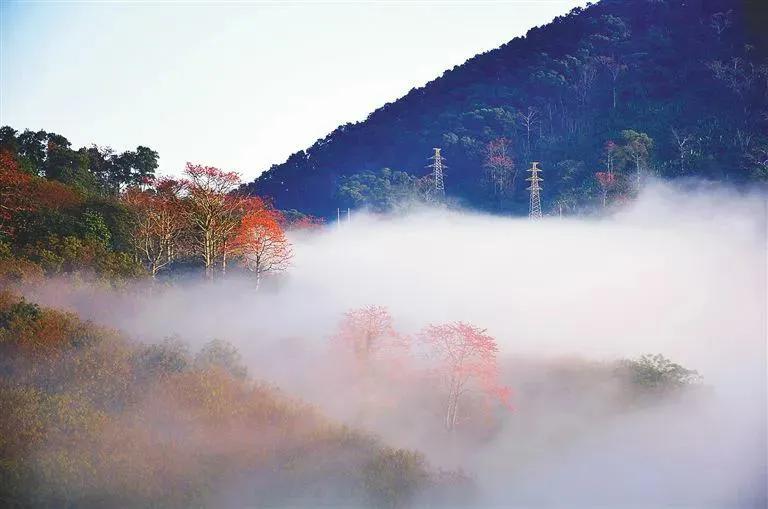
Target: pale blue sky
[(236, 85)]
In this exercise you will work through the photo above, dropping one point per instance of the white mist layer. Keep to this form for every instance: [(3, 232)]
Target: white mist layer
[(680, 272)]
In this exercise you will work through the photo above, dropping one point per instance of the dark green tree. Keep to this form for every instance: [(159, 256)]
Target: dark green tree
[(377, 190), (656, 373), (95, 228)]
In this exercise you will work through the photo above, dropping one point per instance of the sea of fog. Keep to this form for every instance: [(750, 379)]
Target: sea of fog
[(680, 271)]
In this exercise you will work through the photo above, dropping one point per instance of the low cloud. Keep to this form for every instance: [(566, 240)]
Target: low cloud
[(681, 271)]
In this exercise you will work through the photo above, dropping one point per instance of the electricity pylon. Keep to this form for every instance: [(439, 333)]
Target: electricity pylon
[(535, 208), (436, 185)]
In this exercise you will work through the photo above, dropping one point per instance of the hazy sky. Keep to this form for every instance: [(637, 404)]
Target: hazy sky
[(238, 85)]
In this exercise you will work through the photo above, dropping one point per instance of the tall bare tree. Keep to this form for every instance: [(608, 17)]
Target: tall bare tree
[(614, 67), (527, 121)]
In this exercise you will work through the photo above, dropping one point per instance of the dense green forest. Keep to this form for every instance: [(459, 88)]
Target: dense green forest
[(671, 88)]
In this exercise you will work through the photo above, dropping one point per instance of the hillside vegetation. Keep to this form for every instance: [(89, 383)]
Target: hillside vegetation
[(671, 88), (98, 214), (201, 432)]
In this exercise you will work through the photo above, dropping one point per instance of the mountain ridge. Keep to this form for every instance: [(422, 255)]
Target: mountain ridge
[(673, 78)]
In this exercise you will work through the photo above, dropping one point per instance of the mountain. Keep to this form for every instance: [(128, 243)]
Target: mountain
[(679, 86)]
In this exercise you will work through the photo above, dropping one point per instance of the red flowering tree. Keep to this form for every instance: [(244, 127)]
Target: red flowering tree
[(372, 359), (607, 181), (499, 166), (368, 333), (213, 212), (260, 241), (465, 361)]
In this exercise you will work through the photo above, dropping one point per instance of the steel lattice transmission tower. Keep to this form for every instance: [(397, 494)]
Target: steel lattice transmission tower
[(436, 185), (534, 179)]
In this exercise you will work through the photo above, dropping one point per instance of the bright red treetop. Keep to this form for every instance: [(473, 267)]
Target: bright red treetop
[(260, 240)]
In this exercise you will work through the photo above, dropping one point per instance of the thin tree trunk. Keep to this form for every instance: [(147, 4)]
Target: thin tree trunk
[(224, 259), (455, 411), (208, 249)]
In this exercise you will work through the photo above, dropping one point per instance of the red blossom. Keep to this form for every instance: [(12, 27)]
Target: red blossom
[(465, 358)]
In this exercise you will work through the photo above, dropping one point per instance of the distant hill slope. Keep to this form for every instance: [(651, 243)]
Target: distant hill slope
[(690, 73)]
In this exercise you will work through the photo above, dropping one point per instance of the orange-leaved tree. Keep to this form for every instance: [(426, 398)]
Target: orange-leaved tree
[(465, 361), (260, 240)]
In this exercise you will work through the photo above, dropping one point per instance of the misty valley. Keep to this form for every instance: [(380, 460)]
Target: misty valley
[(534, 279), (414, 359)]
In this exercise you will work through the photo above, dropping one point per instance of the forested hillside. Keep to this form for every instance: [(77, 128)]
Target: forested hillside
[(96, 213), (629, 88)]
